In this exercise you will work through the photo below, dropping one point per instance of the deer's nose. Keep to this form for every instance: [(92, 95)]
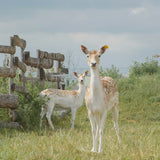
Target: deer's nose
[(93, 64)]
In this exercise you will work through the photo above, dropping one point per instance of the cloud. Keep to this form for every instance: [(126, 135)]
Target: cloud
[(136, 11), (123, 48), (69, 4), (91, 20), (130, 28)]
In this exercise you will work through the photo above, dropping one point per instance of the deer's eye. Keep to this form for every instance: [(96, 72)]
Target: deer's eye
[(99, 56), (87, 56)]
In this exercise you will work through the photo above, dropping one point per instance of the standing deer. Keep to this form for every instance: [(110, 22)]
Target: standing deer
[(101, 96), (64, 99)]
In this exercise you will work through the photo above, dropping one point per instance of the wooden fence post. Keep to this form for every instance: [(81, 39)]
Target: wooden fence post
[(11, 80), (12, 112), (24, 84)]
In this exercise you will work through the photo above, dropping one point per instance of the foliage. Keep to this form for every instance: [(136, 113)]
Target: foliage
[(110, 72), (150, 66), (30, 106), (139, 97), (4, 89)]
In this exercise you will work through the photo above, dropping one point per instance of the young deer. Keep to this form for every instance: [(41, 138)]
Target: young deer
[(101, 96), (64, 99)]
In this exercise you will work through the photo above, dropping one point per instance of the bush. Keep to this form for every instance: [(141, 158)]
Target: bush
[(150, 66), (30, 107), (112, 72), (4, 89), (139, 97)]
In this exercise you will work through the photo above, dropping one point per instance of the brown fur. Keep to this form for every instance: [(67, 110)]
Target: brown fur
[(109, 85), (58, 92), (93, 54)]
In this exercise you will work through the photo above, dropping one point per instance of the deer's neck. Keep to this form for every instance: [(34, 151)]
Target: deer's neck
[(95, 80), (81, 89)]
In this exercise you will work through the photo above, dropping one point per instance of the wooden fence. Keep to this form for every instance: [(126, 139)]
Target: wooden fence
[(43, 61)]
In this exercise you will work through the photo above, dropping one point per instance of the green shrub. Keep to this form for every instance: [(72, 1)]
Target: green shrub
[(4, 89), (110, 72), (150, 66), (30, 107), (140, 97)]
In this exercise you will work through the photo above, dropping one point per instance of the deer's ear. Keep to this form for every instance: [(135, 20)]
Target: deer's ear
[(84, 49), (103, 49), (86, 72), (75, 73)]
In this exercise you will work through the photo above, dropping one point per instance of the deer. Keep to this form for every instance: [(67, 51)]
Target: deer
[(101, 96), (66, 99)]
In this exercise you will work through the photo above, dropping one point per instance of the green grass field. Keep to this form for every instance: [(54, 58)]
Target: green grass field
[(139, 123)]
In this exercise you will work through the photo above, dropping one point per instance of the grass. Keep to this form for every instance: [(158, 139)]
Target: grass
[(140, 140), (139, 124)]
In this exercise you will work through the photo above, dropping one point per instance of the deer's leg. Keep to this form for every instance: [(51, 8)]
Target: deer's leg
[(102, 121), (49, 113), (73, 116), (43, 112), (97, 122), (94, 148), (115, 112)]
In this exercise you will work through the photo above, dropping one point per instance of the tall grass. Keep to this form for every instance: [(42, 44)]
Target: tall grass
[(140, 140), (140, 97), (139, 123)]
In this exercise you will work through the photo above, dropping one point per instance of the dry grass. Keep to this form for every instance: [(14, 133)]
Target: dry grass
[(139, 129), (140, 140)]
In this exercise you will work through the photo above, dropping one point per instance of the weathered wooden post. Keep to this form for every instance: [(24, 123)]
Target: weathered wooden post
[(56, 70), (12, 112), (39, 75), (22, 44), (16, 41), (11, 80), (9, 101), (22, 72)]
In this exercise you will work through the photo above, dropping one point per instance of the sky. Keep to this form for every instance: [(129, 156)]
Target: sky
[(131, 28)]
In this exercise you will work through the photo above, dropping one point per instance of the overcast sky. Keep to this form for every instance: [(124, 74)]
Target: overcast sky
[(131, 28)]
